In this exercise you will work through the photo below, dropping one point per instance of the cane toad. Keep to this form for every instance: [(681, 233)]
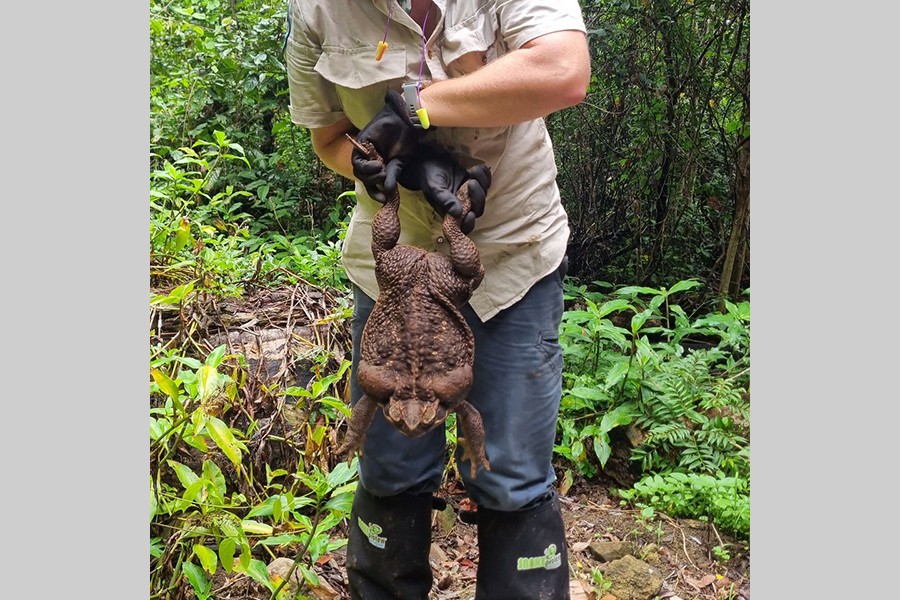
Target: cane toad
[(417, 350)]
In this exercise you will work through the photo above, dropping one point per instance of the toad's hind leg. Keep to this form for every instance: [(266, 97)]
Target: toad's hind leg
[(360, 418), (472, 440)]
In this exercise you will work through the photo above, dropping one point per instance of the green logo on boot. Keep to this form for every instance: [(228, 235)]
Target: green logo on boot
[(550, 560), (372, 532)]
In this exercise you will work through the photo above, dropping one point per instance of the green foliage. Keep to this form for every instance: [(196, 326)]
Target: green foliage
[(601, 583), (725, 501), (220, 511), (217, 67), (207, 239), (627, 362)]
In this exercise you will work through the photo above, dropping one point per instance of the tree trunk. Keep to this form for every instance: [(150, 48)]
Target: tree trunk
[(739, 242)]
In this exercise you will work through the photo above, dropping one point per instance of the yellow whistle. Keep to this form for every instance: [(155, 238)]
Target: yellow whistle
[(423, 118), (379, 52)]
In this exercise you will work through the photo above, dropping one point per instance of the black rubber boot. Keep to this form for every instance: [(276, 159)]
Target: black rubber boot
[(522, 554), (388, 547)]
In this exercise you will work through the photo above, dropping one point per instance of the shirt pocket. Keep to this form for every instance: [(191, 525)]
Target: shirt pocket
[(471, 43), (360, 81)]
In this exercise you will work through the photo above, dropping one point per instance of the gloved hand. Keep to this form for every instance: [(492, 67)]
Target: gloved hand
[(433, 171), (394, 136)]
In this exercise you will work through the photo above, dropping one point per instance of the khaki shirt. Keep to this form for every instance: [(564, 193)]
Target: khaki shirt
[(332, 74)]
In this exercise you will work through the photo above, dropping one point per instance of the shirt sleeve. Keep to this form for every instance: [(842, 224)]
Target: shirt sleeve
[(314, 101), (523, 20)]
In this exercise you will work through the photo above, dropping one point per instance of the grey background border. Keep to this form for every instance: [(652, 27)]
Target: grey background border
[(75, 287)]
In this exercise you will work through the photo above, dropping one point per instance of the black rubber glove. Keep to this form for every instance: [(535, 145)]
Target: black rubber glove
[(393, 134), (433, 171)]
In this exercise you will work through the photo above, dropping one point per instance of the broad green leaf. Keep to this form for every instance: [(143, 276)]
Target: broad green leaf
[(207, 558), (280, 540), (317, 434), (277, 508), (158, 427), (197, 579), (635, 289), (602, 449), (638, 320), (616, 373), (341, 503), (216, 356), (176, 296), (183, 235), (208, 379), (226, 554), (278, 502), (244, 560), (577, 448), (335, 544), (215, 480), (168, 387), (296, 391), (580, 315), (613, 306), (224, 439), (256, 527), (192, 491), (589, 393), (341, 474), (684, 285), (258, 572), (336, 404), (198, 419), (273, 473), (616, 417), (185, 475), (309, 575), (347, 487)]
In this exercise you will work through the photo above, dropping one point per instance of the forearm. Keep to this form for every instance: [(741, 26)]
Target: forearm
[(547, 74), (333, 148)]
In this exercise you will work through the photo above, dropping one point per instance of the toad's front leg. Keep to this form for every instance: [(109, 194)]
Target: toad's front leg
[(463, 251), (386, 223)]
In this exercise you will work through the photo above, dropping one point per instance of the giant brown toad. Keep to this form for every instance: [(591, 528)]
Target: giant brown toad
[(416, 350)]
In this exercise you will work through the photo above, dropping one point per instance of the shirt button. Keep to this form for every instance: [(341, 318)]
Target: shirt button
[(440, 240)]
